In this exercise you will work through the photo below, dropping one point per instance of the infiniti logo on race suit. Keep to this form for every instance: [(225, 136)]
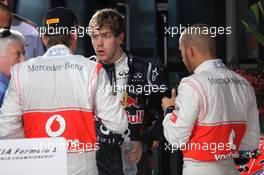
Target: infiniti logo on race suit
[(138, 75), (123, 73), (55, 126)]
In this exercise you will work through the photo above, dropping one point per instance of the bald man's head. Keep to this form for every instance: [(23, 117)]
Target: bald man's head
[(5, 16), (196, 45), (198, 36)]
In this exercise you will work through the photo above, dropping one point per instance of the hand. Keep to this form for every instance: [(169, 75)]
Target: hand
[(135, 154), (167, 102)]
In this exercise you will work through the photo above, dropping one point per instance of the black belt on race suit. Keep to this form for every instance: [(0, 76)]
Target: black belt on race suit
[(107, 137)]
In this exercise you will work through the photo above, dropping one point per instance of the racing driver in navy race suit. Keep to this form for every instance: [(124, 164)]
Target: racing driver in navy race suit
[(132, 81)]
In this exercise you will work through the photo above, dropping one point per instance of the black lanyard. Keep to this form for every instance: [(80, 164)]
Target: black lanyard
[(111, 73)]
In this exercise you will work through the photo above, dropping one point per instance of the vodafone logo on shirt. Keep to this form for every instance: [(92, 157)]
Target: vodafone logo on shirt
[(55, 126), (72, 124)]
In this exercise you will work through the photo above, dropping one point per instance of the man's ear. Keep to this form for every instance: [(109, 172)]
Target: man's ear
[(121, 37), (192, 52), (189, 52), (75, 37)]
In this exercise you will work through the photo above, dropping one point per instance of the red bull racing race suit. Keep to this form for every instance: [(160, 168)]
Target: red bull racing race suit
[(132, 81)]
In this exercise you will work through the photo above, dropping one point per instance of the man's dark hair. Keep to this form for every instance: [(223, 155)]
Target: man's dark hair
[(59, 23), (59, 39), (195, 35)]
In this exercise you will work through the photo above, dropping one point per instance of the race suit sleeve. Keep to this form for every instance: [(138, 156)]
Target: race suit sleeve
[(179, 124), (11, 123), (250, 140), (108, 107)]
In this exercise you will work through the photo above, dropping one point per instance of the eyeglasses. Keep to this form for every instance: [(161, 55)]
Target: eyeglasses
[(5, 33)]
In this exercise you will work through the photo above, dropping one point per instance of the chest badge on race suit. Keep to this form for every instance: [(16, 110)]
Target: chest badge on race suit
[(55, 126)]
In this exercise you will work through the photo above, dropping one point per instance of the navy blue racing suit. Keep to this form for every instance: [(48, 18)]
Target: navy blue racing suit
[(138, 83)]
